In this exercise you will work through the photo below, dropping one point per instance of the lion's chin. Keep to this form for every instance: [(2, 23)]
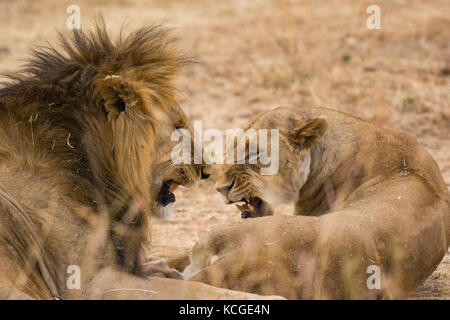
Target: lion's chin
[(165, 212), (166, 199), (254, 207)]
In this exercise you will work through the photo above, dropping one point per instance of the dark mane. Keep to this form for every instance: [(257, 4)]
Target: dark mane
[(57, 90), (81, 125), (82, 55)]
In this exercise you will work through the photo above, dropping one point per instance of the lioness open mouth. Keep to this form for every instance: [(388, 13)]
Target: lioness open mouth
[(166, 195), (254, 207)]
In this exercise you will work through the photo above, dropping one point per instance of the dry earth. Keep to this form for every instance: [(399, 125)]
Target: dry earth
[(254, 55)]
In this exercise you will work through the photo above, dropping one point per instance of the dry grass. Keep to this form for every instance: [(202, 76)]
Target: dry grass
[(254, 55)]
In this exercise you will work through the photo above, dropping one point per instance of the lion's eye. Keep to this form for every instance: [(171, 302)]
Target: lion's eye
[(180, 124)]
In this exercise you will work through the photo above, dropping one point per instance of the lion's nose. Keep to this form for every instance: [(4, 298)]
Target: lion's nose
[(205, 174), (224, 190)]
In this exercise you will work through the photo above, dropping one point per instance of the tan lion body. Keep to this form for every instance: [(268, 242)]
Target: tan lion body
[(371, 198), (84, 160)]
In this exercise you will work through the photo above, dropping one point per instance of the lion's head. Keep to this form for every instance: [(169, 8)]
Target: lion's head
[(135, 113), (114, 107), (244, 183), (102, 113)]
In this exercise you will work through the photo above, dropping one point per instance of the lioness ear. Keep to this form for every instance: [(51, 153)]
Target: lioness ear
[(117, 93), (309, 134)]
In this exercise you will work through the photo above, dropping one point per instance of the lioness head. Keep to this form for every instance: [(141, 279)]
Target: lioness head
[(244, 183)]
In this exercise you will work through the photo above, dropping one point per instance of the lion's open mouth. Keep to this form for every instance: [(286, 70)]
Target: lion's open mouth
[(166, 195), (254, 207)]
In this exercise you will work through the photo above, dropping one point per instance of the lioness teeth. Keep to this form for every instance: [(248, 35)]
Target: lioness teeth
[(245, 207)]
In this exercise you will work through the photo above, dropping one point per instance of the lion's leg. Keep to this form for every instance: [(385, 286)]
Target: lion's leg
[(113, 283), (168, 268), (179, 261), (160, 268)]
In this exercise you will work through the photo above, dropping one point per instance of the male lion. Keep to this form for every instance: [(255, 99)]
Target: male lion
[(84, 159), (373, 213)]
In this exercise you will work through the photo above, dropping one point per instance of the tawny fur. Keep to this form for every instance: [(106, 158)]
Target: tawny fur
[(371, 196), (83, 131)]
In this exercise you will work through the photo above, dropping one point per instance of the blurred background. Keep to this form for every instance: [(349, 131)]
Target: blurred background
[(255, 55)]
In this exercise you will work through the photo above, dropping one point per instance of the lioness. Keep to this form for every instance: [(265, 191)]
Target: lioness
[(373, 213), (84, 160)]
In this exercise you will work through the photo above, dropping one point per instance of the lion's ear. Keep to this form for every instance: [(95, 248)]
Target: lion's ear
[(117, 94), (309, 134)]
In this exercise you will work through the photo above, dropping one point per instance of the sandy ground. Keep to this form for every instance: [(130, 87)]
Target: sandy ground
[(255, 55)]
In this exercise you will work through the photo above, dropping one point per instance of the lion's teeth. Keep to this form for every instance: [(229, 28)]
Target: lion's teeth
[(241, 208)]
